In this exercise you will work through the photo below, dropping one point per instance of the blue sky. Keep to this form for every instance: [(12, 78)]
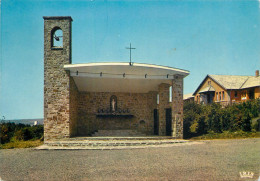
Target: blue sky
[(202, 36)]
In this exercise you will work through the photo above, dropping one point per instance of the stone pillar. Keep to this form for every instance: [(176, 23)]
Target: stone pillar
[(163, 104), (151, 105), (58, 85), (177, 107)]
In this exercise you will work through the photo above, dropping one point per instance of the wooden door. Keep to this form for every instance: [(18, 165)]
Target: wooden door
[(169, 122), (156, 121)]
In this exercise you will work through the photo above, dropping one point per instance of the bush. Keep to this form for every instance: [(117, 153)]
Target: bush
[(246, 125), (23, 134), (27, 133), (190, 121), (201, 119), (213, 118), (6, 132), (36, 132), (256, 125), (19, 132)]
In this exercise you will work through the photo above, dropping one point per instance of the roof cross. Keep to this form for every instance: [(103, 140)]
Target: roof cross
[(130, 48)]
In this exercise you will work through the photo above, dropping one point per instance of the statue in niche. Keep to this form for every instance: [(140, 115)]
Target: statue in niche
[(113, 103)]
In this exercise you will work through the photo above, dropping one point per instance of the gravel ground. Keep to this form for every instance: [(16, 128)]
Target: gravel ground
[(213, 160)]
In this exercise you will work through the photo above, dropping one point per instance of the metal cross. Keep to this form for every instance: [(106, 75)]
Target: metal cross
[(130, 63)]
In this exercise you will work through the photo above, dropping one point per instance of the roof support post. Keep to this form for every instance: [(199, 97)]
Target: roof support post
[(177, 107), (163, 105)]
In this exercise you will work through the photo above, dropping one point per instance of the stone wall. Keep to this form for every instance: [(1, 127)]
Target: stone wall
[(56, 80), (73, 118), (177, 107), (163, 104), (141, 105)]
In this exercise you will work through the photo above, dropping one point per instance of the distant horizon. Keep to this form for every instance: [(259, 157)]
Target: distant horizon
[(218, 37), (21, 119)]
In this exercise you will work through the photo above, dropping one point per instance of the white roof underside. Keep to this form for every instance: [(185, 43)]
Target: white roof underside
[(121, 77)]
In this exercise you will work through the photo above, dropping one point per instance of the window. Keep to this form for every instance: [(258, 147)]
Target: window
[(235, 93), (243, 95), (217, 96), (170, 94), (157, 98), (223, 95), (251, 94), (220, 96), (57, 38)]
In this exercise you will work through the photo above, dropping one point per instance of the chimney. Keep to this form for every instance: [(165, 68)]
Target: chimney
[(257, 73)]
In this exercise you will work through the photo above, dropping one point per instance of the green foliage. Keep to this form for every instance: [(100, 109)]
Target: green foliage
[(23, 134), (228, 135), (256, 125), (10, 131), (214, 117), (190, 125), (201, 119), (4, 134), (246, 124), (21, 144), (28, 133), (7, 131)]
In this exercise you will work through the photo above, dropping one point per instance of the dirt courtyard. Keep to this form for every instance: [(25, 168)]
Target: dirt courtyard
[(212, 160)]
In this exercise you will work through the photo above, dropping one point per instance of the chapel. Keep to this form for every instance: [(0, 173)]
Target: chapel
[(106, 99)]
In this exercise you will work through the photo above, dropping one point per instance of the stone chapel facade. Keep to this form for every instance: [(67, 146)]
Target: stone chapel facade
[(81, 99)]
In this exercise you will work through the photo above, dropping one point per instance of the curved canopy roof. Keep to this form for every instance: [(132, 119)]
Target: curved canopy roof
[(122, 77)]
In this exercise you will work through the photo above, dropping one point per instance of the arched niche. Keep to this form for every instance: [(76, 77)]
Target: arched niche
[(113, 103), (57, 38)]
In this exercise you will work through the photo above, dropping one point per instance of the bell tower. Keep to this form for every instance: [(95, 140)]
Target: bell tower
[(57, 39), (57, 82)]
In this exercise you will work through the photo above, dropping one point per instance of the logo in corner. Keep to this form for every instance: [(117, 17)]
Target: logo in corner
[(246, 174)]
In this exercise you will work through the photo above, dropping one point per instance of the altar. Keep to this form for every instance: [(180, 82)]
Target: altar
[(114, 111)]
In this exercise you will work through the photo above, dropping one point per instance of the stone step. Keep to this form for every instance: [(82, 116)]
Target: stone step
[(123, 138), (129, 132), (105, 144)]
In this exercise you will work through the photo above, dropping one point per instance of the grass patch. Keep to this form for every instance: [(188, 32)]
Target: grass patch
[(227, 135), (21, 144)]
